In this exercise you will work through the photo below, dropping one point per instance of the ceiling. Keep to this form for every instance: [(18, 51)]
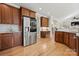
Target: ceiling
[(57, 10)]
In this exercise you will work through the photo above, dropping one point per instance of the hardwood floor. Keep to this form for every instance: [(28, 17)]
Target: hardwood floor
[(43, 47)]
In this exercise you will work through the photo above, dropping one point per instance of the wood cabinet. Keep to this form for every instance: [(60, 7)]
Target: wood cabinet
[(6, 14), (17, 39), (32, 14), (9, 40), (72, 40), (77, 45), (0, 42), (44, 22), (66, 39), (45, 34), (0, 13), (59, 37), (6, 41), (9, 14), (25, 12), (16, 15)]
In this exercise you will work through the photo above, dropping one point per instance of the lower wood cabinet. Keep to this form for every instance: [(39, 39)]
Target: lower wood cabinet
[(6, 41), (59, 37), (45, 34), (72, 41), (17, 39), (77, 45), (67, 38), (9, 40), (0, 42)]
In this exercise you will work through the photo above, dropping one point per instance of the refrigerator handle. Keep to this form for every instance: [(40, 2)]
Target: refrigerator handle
[(28, 28)]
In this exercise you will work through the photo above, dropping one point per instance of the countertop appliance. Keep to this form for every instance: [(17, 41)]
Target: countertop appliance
[(29, 31)]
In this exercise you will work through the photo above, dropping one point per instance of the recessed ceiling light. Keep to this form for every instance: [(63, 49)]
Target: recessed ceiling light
[(40, 8)]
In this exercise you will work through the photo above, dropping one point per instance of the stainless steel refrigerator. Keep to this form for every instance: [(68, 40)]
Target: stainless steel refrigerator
[(29, 31)]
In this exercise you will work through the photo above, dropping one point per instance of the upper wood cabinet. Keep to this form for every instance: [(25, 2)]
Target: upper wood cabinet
[(9, 14), (16, 16), (44, 22), (0, 13), (6, 14), (25, 12), (32, 14)]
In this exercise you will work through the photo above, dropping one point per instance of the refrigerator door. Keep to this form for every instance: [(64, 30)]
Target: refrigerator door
[(26, 27), (33, 37)]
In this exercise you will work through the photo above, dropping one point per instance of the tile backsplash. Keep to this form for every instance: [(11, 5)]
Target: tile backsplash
[(8, 28)]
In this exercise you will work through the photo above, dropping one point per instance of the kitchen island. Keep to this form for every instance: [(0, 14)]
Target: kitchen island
[(70, 39)]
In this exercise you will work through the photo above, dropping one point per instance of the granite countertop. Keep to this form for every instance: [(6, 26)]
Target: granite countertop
[(10, 32), (71, 31)]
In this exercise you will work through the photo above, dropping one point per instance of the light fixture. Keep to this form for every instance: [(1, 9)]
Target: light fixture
[(40, 9)]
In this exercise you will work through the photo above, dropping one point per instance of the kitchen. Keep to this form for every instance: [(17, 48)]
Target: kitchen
[(23, 27)]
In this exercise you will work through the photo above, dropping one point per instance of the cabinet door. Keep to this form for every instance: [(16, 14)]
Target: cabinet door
[(7, 41), (57, 37), (66, 40), (0, 41), (43, 34), (61, 37), (25, 12), (16, 16), (72, 41), (32, 14), (17, 39), (77, 45), (44, 22), (0, 13), (6, 14)]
